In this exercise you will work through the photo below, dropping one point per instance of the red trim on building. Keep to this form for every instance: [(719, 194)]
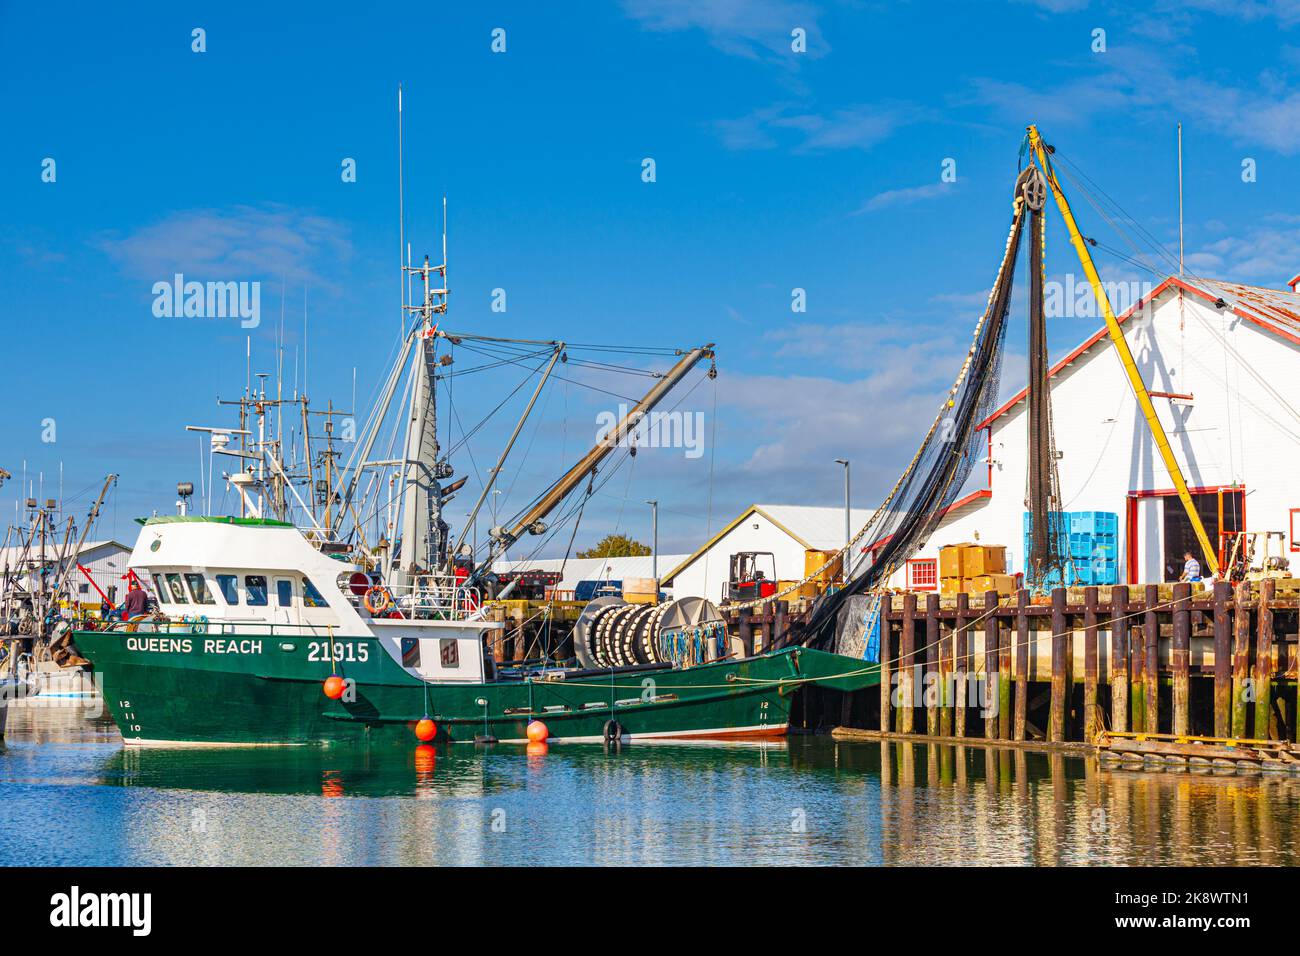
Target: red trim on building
[(1102, 333)]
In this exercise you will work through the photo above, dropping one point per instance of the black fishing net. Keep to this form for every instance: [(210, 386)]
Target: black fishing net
[(1047, 546), (941, 466)]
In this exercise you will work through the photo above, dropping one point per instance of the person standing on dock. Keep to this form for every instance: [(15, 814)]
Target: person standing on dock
[(1191, 568)]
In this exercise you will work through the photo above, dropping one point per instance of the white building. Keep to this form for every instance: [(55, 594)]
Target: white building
[(786, 531), (1220, 361), (106, 561), (573, 570)]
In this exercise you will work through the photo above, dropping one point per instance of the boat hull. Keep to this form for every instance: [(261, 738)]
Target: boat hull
[(176, 689)]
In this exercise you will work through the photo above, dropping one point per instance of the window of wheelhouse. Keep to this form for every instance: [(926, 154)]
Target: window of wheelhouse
[(229, 585), (284, 592), (160, 589), (176, 589), (310, 596), (199, 589), (255, 589)]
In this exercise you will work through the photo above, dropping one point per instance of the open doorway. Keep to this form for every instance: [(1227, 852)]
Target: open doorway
[(1220, 511)]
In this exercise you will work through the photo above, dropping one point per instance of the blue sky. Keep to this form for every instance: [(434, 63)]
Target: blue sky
[(775, 170)]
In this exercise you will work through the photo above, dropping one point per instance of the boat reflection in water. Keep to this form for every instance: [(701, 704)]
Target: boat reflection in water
[(809, 800)]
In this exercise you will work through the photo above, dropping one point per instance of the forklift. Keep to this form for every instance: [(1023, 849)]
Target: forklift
[(753, 576)]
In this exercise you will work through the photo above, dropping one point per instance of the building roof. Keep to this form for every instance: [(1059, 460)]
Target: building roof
[(815, 527), (1272, 310), (592, 569), (11, 555)]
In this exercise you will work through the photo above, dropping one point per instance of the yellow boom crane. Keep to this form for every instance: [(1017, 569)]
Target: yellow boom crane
[(1041, 152)]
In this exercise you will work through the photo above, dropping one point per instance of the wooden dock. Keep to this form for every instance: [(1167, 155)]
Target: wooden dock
[(1198, 666)]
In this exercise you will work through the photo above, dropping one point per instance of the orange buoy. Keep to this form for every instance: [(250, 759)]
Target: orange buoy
[(334, 686), (537, 732), (426, 729), (536, 748)]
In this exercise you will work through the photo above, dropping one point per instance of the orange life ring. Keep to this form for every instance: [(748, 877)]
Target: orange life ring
[(383, 606)]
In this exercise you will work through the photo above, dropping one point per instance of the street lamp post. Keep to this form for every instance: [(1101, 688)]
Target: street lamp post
[(654, 541), (848, 524)]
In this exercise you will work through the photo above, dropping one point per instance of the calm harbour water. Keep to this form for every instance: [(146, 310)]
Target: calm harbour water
[(71, 794)]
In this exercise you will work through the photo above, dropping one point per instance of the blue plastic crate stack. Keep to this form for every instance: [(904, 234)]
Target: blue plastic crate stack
[(1091, 539)]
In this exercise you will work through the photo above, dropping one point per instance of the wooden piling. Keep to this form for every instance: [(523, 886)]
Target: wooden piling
[(1119, 631), (745, 624), (1091, 716), (961, 645), (992, 675), (1240, 657), (1004, 679), (1222, 660), (1151, 645), (886, 654), (931, 664), (1137, 709), (1056, 714), (1180, 656), (1022, 664), (1264, 660), (906, 674), (945, 681), (781, 624)]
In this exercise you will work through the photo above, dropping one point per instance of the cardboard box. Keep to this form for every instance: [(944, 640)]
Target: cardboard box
[(951, 560), (1002, 583), (982, 559), (953, 585)]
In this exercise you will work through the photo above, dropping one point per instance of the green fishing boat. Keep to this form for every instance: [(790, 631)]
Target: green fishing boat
[(300, 622), (255, 621)]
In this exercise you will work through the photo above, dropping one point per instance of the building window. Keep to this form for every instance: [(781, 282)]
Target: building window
[(923, 574), (1295, 538)]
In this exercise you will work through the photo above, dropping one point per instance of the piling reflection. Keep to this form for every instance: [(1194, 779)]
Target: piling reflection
[(993, 806)]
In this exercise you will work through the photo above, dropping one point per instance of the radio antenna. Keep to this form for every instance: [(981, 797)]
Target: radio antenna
[(401, 220)]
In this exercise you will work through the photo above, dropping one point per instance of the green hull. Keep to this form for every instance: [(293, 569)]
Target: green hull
[(266, 689)]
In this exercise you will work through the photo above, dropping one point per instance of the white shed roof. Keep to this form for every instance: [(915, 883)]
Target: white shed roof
[(594, 569), (10, 556)]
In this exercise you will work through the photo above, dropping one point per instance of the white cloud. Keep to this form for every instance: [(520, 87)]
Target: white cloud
[(234, 244), (859, 127), (1267, 254), (905, 197), (749, 28)]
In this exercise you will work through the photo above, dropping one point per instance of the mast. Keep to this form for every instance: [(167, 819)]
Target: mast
[(424, 533)]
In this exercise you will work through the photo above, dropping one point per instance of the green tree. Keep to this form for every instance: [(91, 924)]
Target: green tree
[(615, 546)]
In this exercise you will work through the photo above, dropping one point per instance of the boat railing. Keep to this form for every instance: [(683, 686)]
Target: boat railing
[(204, 627), (438, 596)]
